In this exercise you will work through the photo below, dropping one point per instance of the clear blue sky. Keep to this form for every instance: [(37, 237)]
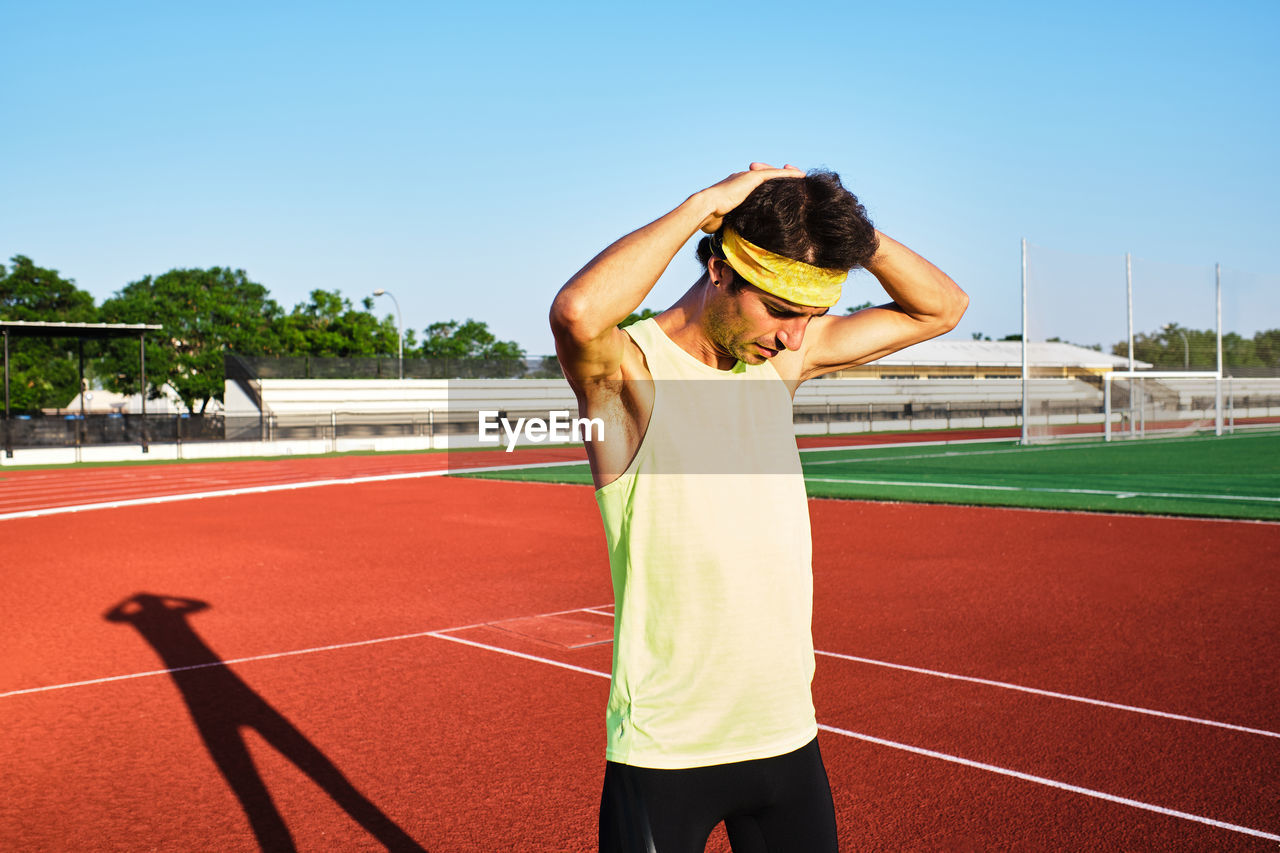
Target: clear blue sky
[(470, 160)]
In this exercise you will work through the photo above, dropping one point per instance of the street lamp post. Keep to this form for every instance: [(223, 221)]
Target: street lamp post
[(1186, 347), (399, 328)]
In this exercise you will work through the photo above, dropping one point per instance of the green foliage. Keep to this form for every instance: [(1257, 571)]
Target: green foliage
[(1057, 340), (1176, 348), (43, 372), (204, 313), (633, 317), (854, 309), (548, 368), (471, 339), (1266, 347), (329, 325)]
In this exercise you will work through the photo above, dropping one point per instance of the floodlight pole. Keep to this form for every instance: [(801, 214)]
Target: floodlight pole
[(1128, 284), (8, 435), (1217, 422), (399, 328), (1026, 405), (82, 429), (142, 366)]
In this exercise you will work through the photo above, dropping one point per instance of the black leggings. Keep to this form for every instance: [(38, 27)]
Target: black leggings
[(768, 805)]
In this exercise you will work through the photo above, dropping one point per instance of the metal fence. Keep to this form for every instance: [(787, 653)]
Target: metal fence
[(388, 367), (73, 430), (1245, 402)]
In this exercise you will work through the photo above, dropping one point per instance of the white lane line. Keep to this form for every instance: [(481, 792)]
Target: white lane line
[(75, 493), (595, 609), (131, 483), (909, 483), (1052, 783), (442, 635), (949, 454), (1104, 492), (954, 759), (1086, 445), (856, 448), (191, 496), (601, 610), (272, 656), (275, 487), (1051, 694)]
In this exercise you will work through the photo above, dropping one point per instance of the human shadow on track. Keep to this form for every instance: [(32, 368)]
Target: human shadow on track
[(223, 706)]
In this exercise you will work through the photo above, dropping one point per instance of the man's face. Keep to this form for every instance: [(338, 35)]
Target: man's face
[(753, 325)]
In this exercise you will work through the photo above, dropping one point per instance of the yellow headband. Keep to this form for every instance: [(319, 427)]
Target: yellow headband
[(795, 281)]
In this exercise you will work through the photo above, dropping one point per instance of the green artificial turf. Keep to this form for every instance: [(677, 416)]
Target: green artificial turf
[(1230, 476)]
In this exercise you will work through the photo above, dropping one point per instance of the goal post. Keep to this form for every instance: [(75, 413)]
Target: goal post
[(1103, 334), (1161, 402)]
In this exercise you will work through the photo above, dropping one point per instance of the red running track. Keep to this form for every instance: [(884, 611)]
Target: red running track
[(47, 488), (34, 490), (463, 748)]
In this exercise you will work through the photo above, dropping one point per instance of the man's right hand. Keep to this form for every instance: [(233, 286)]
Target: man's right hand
[(586, 312), (733, 191), (603, 365)]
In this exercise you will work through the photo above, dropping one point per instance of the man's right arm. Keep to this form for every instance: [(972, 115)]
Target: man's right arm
[(587, 310)]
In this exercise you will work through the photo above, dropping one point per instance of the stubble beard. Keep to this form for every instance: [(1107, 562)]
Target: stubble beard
[(725, 337)]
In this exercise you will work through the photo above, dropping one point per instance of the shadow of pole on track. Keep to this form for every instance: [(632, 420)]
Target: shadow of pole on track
[(222, 706)]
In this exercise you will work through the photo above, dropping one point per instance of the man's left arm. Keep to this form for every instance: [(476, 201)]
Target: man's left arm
[(926, 303)]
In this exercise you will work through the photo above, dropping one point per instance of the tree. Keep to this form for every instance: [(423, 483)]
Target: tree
[(43, 372), (471, 339), (469, 349), (329, 325), (633, 317), (1239, 351), (548, 368), (204, 314), (854, 309), (1175, 348), (1266, 347)]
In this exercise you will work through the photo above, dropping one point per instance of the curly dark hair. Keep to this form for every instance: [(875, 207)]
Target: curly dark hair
[(812, 219)]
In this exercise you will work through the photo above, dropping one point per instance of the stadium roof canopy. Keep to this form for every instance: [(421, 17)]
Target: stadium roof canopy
[(80, 331), (945, 351), (33, 329)]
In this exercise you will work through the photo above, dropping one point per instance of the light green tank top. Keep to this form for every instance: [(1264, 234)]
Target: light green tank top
[(710, 552)]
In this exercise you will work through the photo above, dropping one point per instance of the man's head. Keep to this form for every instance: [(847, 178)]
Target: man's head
[(814, 220)]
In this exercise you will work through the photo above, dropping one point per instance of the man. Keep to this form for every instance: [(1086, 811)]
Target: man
[(698, 480)]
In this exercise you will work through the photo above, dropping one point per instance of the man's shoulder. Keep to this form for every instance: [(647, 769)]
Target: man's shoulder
[(632, 368)]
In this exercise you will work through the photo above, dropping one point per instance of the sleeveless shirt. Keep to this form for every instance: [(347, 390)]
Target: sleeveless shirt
[(710, 553)]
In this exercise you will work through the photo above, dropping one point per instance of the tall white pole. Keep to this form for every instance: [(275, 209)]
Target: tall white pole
[(1026, 370), (1217, 421), (1128, 285), (1106, 406), (399, 329)]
